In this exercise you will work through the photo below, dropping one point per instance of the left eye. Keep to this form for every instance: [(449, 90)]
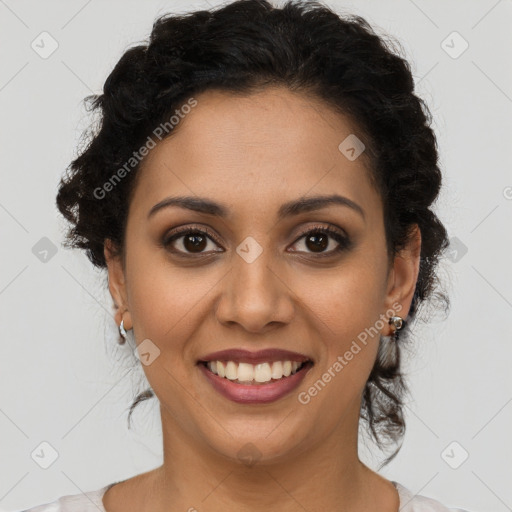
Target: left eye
[(317, 240), (195, 241)]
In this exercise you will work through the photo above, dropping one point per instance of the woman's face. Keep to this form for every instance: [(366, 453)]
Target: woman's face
[(258, 283)]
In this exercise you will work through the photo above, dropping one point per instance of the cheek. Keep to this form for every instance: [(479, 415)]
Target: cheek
[(167, 306), (167, 302), (346, 300), (344, 316), (345, 307)]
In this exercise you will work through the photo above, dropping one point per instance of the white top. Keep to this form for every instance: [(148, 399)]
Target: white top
[(92, 502)]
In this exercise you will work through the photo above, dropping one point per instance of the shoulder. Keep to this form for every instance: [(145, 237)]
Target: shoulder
[(410, 502), (84, 502)]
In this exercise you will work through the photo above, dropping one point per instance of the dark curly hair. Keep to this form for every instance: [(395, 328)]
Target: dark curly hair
[(242, 47)]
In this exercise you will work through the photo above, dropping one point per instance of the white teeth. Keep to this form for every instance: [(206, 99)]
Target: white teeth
[(262, 372), (277, 370), (249, 373), (245, 372), (231, 370)]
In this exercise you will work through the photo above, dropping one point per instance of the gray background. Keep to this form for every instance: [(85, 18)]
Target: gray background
[(63, 381)]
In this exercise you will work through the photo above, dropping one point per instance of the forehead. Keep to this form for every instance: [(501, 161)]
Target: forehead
[(265, 147)]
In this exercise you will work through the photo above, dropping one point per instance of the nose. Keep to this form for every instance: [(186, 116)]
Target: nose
[(255, 296)]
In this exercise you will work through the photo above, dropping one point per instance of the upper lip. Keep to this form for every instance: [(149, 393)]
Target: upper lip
[(254, 357)]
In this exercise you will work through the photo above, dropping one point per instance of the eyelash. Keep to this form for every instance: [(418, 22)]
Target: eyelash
[(343, 241)]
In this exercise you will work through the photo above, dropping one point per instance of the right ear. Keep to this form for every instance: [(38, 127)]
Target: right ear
[(116, 284)]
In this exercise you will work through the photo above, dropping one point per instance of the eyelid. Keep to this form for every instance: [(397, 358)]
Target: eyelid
[(332, 231), (340, 236), (183, 230), (322, 227)]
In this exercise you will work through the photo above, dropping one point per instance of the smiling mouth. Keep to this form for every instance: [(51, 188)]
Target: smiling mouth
[(258, 374)]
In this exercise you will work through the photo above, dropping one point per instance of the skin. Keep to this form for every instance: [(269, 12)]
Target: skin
[(252, 154)]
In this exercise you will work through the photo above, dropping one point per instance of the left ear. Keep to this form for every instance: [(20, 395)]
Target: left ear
[(404, 274)]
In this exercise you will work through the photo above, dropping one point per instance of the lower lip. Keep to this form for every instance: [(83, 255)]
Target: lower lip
[(255, 393)]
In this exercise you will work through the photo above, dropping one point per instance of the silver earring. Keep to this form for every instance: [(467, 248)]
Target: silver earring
[(397, 323), (122, 332)]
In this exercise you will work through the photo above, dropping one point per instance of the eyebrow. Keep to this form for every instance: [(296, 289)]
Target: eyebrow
[(296, 207)]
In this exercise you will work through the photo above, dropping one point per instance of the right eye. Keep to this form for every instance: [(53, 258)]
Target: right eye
[(193, 241)]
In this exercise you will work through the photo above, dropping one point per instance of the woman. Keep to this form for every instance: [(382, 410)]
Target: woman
[(260, 194)]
